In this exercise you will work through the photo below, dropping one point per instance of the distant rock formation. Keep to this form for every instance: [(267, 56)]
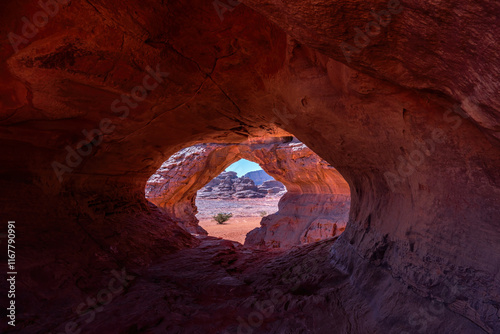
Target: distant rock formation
[(258, 176), (229, 186)]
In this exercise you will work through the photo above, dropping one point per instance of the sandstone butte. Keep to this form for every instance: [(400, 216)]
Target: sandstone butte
[(400, 97)]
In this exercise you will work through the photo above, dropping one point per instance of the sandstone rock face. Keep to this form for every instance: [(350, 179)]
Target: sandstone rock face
[(317, 194), (320, 229), (411, 122), (167, 188), (316, 191), (397, 41)]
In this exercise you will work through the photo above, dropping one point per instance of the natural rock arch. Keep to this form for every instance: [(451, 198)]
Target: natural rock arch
[(315, 207)]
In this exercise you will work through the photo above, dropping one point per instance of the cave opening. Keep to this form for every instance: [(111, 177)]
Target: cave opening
[(243, 194), (293, 198)]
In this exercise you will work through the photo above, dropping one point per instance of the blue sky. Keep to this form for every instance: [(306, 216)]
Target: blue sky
[(242, 167)]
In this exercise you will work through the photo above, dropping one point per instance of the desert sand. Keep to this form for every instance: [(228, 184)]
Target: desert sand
[(246, 216), (235, 229)]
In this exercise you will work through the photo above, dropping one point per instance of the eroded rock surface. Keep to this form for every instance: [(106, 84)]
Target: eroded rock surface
[(219, 287), (317, 198)]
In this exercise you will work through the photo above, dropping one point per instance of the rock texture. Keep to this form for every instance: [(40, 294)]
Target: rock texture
[(317, 198), (258, 176), (315, 207), (411, 123), (228, 185)]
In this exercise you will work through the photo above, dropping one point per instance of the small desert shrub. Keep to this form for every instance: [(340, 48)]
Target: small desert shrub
[(221, 217), (262, 213)]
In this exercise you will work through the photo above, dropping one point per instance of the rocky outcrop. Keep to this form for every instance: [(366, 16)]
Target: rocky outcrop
[(272, 188), (258, 176), (317, 202), (228, 185), (98, 94)]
